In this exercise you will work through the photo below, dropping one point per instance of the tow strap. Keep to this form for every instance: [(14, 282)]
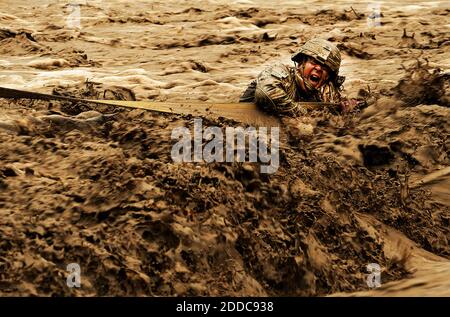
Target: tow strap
[(243, 112)]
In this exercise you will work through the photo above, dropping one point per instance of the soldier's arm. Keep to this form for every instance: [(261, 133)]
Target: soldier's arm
[(331, 94), (271, 92)]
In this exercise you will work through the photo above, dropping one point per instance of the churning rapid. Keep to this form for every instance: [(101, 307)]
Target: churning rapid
[(97, 186)]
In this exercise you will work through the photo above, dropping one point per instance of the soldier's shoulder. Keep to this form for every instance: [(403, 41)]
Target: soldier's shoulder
[(278, 70)]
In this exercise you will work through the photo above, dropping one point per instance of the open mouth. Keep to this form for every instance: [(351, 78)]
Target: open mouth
[(315, 79)]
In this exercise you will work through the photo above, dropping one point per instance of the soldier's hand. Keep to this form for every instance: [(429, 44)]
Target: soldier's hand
[(348, 105)]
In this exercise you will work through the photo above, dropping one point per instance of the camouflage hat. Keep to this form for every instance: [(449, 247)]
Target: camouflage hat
[(323, 51)]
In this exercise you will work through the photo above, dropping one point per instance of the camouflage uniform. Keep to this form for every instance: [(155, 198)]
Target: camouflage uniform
[(276, 88)]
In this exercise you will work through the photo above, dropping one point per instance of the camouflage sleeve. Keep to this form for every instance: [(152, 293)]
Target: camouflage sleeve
[(273, 91), (330, 93)]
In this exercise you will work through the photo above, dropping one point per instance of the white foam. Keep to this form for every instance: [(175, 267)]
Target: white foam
[(133, 71), (235, 24), (244, 2), (130, 80), (12, 81), (4, 63), (48, 63), (76, 74)]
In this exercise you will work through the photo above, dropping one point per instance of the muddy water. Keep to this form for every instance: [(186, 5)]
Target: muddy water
[(153, 47), (105, 192)]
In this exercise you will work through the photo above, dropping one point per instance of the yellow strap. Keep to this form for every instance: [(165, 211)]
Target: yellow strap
[(242, 112), (247, 113)]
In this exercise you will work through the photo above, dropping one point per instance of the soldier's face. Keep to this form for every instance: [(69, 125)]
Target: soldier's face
[(315, 73)]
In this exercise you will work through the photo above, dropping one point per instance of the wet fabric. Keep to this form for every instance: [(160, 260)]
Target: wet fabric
[(276, 90)]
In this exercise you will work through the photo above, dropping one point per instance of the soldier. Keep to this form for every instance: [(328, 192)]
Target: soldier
[(315, 77)]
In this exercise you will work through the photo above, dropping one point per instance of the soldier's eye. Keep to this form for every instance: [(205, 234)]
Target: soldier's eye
[(315, 63)]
